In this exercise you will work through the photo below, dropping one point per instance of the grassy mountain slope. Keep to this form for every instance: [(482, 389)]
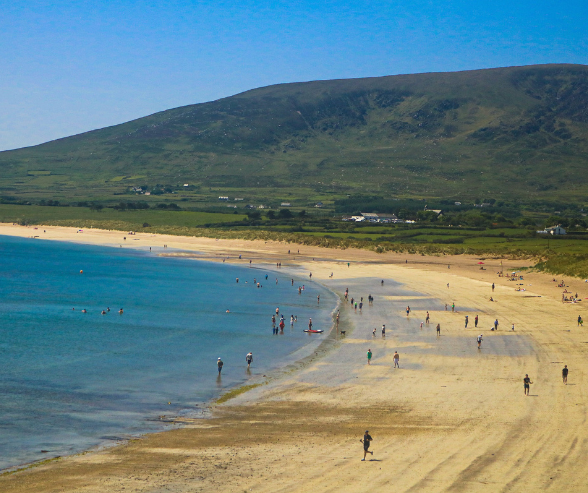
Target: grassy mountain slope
[(518, 133)]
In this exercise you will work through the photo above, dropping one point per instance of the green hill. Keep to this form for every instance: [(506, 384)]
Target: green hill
[(514, 134)]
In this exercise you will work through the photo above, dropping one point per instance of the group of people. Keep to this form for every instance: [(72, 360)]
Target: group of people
[(103, 312)]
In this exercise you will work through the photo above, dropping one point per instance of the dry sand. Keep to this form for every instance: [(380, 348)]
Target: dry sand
[(453, 418)]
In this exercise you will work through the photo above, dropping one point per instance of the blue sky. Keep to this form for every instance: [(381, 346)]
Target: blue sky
[(69, 67)]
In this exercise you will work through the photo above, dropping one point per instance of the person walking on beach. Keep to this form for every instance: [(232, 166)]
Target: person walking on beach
[(580, 321), (564, 374), (219, 364), (479, 339), (383, 331), (366, 444), (527, 382), (492, 287), (427, 319), (249, 359), (396, 360), (453, 307), (407, 311), (369, 356), (438, 329), (496, 324), (476, 321), (466, 321)]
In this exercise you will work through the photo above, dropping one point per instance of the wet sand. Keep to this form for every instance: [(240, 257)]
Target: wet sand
[(452, 418)]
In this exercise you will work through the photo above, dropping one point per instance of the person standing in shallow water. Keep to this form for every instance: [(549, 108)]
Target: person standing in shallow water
[(249, 359), (219, 364)]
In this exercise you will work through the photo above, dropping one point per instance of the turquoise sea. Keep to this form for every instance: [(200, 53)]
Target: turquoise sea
[(72, 380)]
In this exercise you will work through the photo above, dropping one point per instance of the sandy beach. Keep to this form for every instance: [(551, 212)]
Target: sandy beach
[(452, 418)]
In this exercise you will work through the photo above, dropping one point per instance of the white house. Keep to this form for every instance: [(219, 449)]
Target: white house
[(554, 230), (223, 198), (285, 204)]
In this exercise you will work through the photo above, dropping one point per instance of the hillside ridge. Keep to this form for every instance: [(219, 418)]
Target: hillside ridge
[(512, 130)]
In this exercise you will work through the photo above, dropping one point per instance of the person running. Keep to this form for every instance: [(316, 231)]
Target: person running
[(396, 360), (369, 356), (367, 439), (219, 364), (479, 339), (438, 329), (428, 317), (564, 374), (249, 359), (496, 324), (476, 321), (527, 382), (466, 321)]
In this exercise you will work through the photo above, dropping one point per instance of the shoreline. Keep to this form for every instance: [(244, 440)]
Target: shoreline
[(453, 418), (297, 359)]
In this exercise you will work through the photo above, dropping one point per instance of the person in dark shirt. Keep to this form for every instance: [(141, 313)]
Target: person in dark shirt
[(366, 444), (564, 374), (219, 364), (527, 382)]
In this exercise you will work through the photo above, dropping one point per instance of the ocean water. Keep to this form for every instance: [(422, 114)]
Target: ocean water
[(70, 381)]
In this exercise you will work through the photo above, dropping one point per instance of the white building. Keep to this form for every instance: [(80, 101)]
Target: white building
[(553, 230)]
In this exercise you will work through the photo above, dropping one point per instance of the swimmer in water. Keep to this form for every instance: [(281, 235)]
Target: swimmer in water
[(103, 312), (120, 311), (228, 311)]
